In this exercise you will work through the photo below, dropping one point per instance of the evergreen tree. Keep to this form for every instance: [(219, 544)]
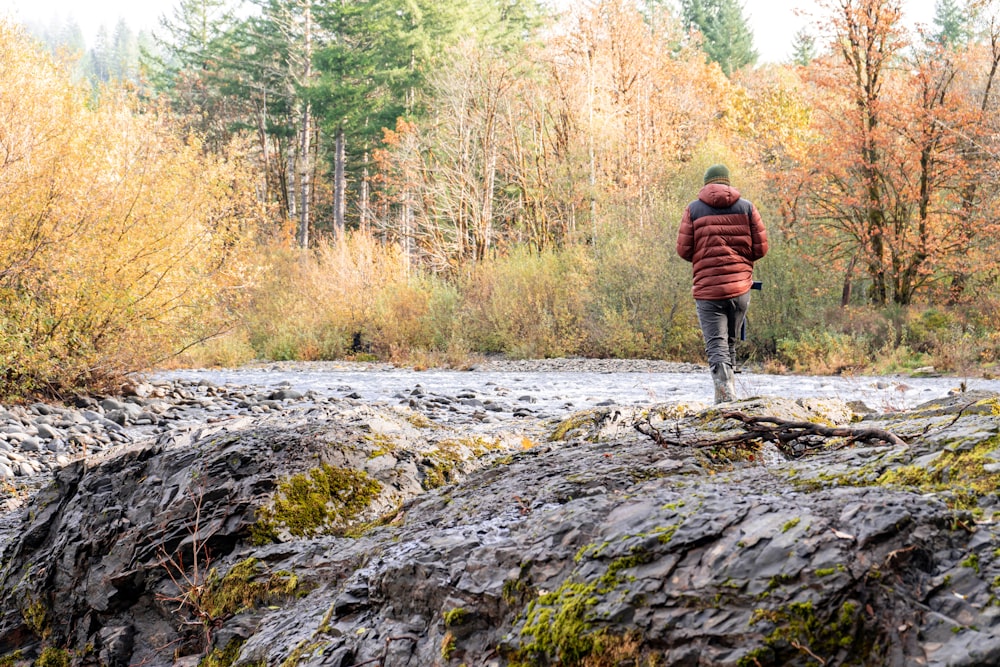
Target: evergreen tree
[(803, 48), (374, 70), (317, 81), (189, 36), (100, 58), (188, 63), (727, 37), (71, 37), (124, 60), (953, 23)]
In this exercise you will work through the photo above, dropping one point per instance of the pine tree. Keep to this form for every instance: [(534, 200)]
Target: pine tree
[(123, 65), (953, 23), (100, 57), (727, 37), (375, 69), (803, 48), (188, 63)]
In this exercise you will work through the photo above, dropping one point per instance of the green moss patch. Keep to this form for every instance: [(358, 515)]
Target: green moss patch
[(223, 657), (246, 585), (558, 626), (53, 657), (961, 473), (323, 502), (800, 633), (576, 425)]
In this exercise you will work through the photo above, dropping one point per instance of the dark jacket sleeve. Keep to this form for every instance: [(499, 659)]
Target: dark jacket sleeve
[(758, 235), (685, 237)]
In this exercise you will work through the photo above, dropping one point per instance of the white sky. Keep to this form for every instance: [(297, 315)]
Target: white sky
[(774, 22), (90, 14)]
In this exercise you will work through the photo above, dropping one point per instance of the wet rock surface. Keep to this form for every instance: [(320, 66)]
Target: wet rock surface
[(569, 539)]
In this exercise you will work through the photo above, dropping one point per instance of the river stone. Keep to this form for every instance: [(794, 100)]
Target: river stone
[(30, 444), (47, 432), (109, 404)]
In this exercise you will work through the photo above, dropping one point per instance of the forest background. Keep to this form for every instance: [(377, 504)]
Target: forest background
[(424, 181)]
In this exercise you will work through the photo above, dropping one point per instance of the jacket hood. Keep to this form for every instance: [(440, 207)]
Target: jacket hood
[(719, 195)]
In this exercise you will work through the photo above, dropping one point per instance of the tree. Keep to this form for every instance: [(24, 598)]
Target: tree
[(953, 22), (290, 37), (118, 239), (899, 155), (377, 68), (545, 150), (101, 57), (188, 67), (727, 38), (803, 48)]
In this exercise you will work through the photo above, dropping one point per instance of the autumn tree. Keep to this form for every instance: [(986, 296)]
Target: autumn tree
[(884, 180), (118, 240), (973, 132)]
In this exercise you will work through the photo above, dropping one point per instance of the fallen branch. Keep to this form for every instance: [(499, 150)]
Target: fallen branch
[(648, 430), (774, 429), (786, 430)]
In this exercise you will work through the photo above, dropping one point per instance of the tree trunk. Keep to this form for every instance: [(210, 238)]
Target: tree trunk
[(264, 144), (340, 185), (306, 136), (364, 195), (845, 294), (406, 224), (304, 181)]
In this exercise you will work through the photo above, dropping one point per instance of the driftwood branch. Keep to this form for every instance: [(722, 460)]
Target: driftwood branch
[(786, 430), (773, 429)]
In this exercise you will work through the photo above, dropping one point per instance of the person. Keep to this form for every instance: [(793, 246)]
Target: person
[(722, 235)]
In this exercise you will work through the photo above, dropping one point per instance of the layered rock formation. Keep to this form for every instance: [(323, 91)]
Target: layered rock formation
[(355, 535)]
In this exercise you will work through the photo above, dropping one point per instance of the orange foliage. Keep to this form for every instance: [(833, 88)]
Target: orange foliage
[(117, 239), (894, 177)]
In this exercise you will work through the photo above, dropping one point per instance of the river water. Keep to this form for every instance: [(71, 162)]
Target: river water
[(559, 391)]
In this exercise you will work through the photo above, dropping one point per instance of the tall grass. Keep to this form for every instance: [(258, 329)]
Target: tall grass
[(625, 296)]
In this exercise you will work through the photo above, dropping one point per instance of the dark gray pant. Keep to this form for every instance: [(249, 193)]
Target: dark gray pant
[(720, 325)]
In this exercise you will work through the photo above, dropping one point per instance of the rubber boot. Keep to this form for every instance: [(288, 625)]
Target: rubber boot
[(725, 383)]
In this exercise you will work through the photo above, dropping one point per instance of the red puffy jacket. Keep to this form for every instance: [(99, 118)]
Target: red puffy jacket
[(722, 236)]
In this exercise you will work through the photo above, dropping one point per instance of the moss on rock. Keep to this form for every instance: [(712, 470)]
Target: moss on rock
[(963, 474), (324, 501)]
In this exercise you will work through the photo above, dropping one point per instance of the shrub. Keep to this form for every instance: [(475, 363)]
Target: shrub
[(529, 304), (823, 352), (642, 304), (310, 304), (795, 298), (119, 240)]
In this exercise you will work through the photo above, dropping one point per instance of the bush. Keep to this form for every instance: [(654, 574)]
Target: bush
[(312, 305), (529, 304), (642, 303), (824, 353), (795, 299), (120, 241)]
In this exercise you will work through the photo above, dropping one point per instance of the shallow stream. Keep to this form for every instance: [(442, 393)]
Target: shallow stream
[(558, 391)]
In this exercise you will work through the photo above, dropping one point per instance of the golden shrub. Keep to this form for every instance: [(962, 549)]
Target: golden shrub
[(119, 240)]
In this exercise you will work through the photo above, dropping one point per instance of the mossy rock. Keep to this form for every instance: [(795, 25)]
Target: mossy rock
[(326, 500)]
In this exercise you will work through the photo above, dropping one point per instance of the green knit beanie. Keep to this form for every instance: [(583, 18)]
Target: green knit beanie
[(717, 173)]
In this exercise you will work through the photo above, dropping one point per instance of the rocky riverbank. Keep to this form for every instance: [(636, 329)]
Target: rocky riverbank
[(227, 526)]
